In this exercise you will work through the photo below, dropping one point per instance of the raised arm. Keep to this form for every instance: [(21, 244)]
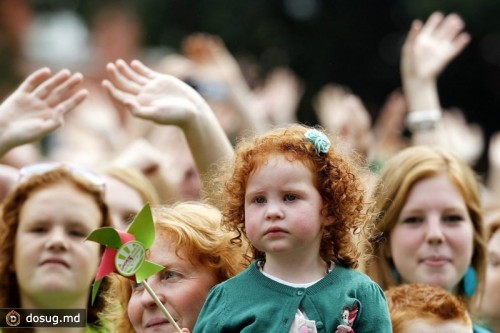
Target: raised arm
[(167, 100), (428, 49), (37, 107)]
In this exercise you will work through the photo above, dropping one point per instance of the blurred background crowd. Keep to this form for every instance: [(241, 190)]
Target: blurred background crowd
[(354, 44), (367, 72)]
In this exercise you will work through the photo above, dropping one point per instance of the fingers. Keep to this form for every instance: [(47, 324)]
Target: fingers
[(447, 29), (116, 94), (415, 30), (432, 23), (131, 74), (34, 79), (450, 27), (72, 102), (142, 69), (47, 86), (59, 93), (119, 78)]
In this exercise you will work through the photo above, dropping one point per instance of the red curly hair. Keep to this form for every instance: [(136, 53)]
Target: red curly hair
[(408, 302), (336, 177)]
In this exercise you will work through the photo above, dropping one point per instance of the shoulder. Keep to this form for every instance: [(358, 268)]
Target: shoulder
[(353, 276), (236, 284), (358, 285), (248, 274)]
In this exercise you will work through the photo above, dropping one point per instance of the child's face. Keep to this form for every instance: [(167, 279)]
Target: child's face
[(432, 241), (283, 209)]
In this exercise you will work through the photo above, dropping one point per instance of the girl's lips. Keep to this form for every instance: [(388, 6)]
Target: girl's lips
[(274, 230)]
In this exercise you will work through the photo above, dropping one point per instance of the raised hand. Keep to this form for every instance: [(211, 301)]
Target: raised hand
[(280, 96), (212, 57), (148, 94), (426, 52), (167, 100), (431, 46), (463, 138), (37, 107), (389, 126), (344, 114)]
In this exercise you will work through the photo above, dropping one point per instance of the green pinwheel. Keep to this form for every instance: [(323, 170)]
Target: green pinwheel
[(125, 252)]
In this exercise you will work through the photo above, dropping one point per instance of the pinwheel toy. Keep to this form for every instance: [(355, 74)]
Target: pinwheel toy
[(125, 254)]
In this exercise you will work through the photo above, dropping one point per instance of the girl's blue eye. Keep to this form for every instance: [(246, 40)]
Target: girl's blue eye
[(290, 197), (260, 200)]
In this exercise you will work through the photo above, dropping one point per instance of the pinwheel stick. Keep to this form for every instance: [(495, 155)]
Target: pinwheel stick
[(160, 305)]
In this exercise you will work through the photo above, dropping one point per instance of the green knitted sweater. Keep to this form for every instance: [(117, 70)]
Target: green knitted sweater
[(251, 302)]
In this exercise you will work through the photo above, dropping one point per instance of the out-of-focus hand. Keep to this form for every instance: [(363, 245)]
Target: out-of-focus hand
[(37, 106), (494, 151), (465, 139), (493, 181), (212, 57), (280, 96), (431, 46), (344, 114), (150, 95), (388, 128)]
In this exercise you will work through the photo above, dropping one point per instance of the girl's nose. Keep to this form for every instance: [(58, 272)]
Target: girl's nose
[(274, 212)]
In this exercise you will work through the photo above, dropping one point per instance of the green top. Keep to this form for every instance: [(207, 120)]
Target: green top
[(252, 302)]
